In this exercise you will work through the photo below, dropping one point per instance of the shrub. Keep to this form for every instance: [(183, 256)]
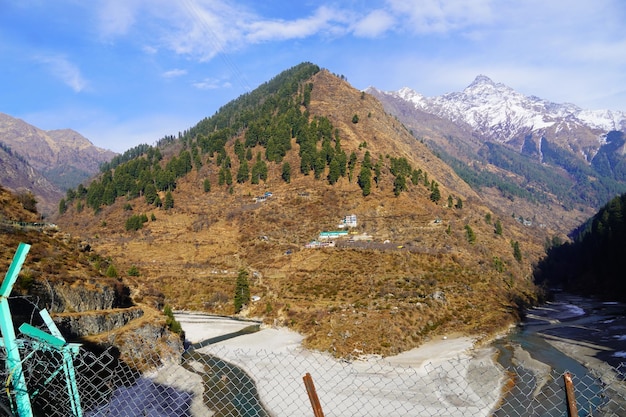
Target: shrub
[(135, 222), (111, 271)]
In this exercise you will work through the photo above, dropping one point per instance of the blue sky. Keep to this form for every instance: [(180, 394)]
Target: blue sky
[(125, 72)]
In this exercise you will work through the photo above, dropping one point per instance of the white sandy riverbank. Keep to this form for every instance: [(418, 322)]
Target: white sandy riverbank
[(447, 376)]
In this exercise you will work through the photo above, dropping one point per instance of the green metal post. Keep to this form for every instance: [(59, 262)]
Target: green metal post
[(69, 351), (70, 378), (14, 362)]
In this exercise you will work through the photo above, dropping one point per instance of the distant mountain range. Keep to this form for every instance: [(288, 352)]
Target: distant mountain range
[(499, 113), (523, 146), (45, 163)]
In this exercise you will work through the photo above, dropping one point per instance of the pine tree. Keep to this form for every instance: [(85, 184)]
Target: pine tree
[(367, 160), (435, 194), (365, 181), (169, 201), (399, 185), (259, 170), (351, 166), (334, 171), (286, 172), (228, 176), (517, 252), (243, 173), (62, 206), (416, 176), (150, 193), (242, 290), (239, 150), (111, 271), (498, 228)]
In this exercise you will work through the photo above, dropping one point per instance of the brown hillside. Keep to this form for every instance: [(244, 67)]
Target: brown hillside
[(419, 275), (63, 276)]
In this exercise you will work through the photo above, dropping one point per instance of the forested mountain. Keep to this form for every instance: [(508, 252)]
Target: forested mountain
[(556, 163), (230, 207), (594, 263)]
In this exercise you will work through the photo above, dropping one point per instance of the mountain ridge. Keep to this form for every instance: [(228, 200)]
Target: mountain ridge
[(538, 158), (484, 96), (46, 163)]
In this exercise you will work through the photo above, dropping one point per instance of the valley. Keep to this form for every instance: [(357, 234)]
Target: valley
[(444, 268), (247, 190)]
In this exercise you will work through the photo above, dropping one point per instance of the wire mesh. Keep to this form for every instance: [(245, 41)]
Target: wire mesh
[(213, 381)]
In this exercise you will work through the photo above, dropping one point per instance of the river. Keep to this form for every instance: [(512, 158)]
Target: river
[(573, 334)]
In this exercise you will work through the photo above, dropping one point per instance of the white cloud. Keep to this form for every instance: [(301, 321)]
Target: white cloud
[(438, 16), (204, 28), (323, 20), (174, 73), (211, 84), (374, 24), (64, 70), (116, 17)]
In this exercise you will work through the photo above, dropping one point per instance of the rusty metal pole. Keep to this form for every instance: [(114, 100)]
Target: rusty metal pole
[(572, 409), (310, 389)]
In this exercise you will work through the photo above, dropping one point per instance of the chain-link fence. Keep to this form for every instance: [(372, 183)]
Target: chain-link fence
[(214, 381)]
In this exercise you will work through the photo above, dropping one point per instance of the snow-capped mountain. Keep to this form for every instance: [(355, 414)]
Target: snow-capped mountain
[(499, 113), (518, 147)]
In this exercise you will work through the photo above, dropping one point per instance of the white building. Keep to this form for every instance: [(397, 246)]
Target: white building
[(348, 221)]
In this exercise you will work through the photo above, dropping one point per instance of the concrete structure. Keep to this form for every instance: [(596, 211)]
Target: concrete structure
[(334, 234)]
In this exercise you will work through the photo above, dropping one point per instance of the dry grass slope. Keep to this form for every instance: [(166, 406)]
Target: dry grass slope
[(381, 297), (70, 282)]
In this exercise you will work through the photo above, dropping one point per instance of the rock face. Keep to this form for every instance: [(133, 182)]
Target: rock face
[(149, 346), (79, 297), (88, 324)]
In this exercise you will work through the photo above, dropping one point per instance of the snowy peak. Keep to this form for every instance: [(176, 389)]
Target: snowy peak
[(500, 113), (481, 79), (410, 95), (484, 85), (483, 88)]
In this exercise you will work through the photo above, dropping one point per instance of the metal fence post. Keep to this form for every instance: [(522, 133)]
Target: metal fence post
[(572, 409), (310, 389)]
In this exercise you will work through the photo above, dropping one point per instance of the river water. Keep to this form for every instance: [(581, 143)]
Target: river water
[(569, 334), (582, 336)]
